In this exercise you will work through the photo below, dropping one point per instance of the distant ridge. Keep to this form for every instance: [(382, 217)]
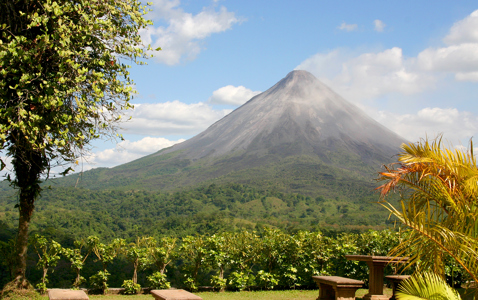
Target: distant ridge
[(298, 136)]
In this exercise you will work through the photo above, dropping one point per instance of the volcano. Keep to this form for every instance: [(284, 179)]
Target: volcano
[(299, 135)]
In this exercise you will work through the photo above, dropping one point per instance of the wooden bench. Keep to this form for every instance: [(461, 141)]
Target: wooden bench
[(337, 288), (395, 281), (174, 295), (59, 294)]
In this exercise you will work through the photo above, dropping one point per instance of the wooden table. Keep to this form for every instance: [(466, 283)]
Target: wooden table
[(376, 264)]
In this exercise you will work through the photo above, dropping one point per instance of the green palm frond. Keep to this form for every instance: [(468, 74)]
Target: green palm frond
[(426, 286), (439, 204)]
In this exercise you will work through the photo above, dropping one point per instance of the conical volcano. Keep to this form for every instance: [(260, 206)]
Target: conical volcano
[(298, 115), (298, 136)]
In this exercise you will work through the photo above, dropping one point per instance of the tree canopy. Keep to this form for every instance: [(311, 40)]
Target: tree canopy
[(63, 82)]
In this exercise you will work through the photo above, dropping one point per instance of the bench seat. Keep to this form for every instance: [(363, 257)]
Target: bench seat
[(336, 287), (60, 294), (174, 295)]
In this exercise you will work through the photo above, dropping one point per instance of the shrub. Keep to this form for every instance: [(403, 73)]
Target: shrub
[(131, 288), (158, 281)]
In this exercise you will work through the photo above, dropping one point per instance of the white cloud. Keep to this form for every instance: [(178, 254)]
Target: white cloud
[(455, 58), (464, 31), (127, 151), (460, 56), (347, 27), (172, 118), (379, 25), (368, 75), (232, 95), (456, 126), (180, 39)]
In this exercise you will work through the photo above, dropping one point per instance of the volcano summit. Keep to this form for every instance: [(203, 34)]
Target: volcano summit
[(296, 136)]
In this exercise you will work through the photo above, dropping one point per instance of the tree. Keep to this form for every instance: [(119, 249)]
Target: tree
[(438, 189), (137, 253), (63, 83), (105, 253), (48, 256), (77, 260)]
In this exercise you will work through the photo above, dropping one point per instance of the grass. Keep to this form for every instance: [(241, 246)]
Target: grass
[(267, 295)]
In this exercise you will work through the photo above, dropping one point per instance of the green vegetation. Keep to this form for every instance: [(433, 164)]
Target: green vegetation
[(79, 213), (438, 188), (63, 83), (239, 260)]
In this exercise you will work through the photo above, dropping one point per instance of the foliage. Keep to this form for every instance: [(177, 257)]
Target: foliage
[(48, 254), (63, 83), (428, 286), (7, 252), (162, 252), (158, 280), (219, 282), (99, 281), (240, 280), (438, 189), (105, 254), (194, 252), (131, 288), (266, 280), (138, 254), (249, 259), (213, 209), (77, 260)]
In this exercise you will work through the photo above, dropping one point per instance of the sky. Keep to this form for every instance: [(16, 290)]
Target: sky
[(410, 65)]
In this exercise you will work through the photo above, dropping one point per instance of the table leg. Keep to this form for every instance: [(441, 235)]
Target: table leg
[(375, 283)]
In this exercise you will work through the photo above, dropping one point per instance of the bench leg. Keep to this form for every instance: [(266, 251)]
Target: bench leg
[(326, 292), (345, 293)]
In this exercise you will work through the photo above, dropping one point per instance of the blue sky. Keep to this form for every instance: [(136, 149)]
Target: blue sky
[(411, 65)]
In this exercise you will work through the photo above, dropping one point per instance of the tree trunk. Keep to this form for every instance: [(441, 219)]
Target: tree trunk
[(135, 273), (221, 276), (21, 251), (45, 271), (28, 165)]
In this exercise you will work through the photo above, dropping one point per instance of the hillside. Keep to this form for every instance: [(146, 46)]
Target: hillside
[(299, 136), (295, 156)]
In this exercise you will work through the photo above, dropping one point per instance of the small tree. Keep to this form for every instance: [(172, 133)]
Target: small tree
[(63, 83), (77, 260), (219, 257), (48, 254), (161, 253), (194, 251), (137, 253), (105, 254)]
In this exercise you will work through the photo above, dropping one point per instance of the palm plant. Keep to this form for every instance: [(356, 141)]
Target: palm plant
[(426, 286), (438, 189)]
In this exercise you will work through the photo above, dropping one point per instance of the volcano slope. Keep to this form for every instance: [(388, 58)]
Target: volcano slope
[(297, 153), (298, 136)]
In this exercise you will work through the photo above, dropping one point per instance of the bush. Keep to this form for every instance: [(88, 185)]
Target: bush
[(158, 281), (266, 280), (131, 288), (99, 281)]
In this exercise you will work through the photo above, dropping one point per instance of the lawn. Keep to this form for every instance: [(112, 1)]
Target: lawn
[(269, 295)]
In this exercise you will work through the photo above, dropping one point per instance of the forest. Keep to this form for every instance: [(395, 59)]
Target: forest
[(79, 212)]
